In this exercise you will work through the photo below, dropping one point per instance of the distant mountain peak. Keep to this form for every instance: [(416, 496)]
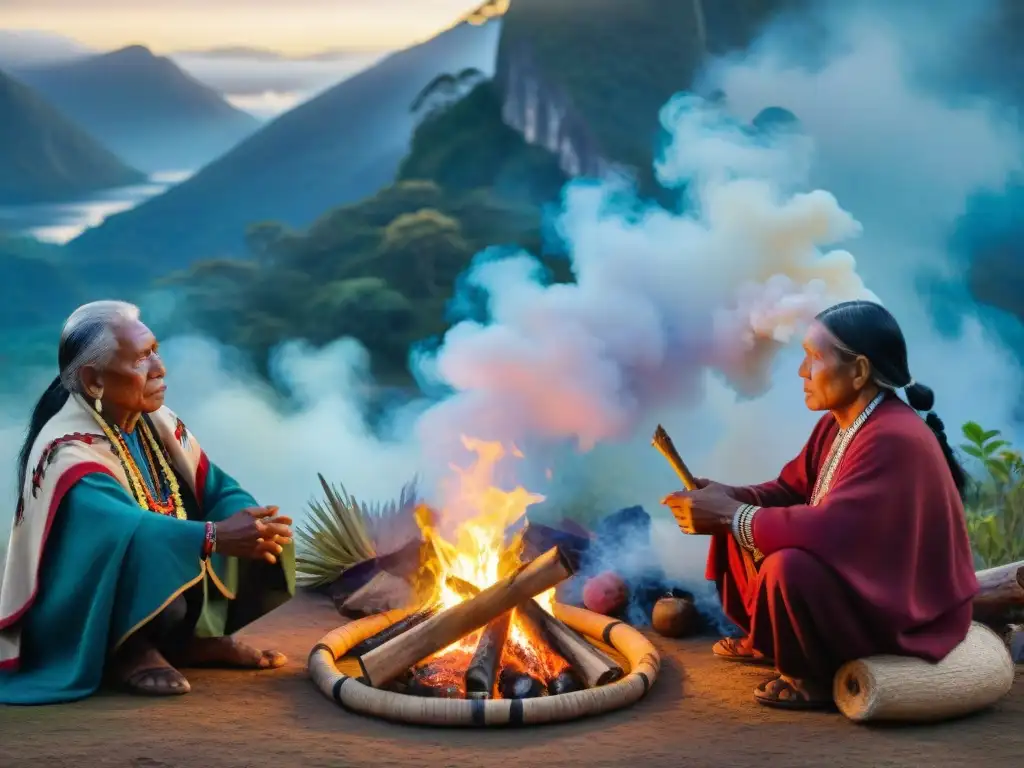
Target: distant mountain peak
[(135, 51), (144, 107), (234, 52), (45, 156)]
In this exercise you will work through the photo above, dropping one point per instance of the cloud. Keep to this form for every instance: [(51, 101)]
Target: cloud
[(302, 25), (267, 104), (269, 86)]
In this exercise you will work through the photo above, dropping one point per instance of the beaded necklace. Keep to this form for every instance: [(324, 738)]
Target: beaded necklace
[(839, 445), (168, 499)]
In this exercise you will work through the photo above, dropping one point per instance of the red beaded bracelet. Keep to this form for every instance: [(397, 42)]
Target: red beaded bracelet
[(210, 540)]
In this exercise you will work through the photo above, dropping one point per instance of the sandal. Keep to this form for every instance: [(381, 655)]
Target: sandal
[(157, 681), (784, 692), (739, 650)]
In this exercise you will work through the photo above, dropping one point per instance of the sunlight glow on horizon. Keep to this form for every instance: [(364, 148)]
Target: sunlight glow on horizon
[(296, 28)]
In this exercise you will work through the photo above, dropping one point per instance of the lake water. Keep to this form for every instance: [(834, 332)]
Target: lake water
[(61, 222)]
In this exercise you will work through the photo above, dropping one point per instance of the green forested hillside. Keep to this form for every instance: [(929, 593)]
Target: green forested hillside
[(466, 146), (44, 157), (338, 147), (384, 269)]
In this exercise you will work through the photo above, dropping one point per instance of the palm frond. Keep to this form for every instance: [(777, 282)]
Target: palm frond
[(341, 532)]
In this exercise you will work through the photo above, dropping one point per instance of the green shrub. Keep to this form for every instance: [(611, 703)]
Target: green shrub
[(995, 500)]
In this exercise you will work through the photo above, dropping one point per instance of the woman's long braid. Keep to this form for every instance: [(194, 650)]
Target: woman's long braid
[(939, 429)]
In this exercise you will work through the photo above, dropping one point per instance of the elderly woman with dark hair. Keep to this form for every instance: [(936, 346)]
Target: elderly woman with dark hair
[(130, 551), (860, 547)]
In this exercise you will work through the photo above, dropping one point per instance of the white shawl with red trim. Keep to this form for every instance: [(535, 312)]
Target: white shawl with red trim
[(70, 446)]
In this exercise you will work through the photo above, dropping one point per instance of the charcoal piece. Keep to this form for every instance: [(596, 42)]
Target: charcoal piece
[(401, 684), (431, 681), (519, 685), (566, 681)]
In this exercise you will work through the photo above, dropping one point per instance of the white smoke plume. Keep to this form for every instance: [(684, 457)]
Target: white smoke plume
[(678, 319), (659, 298)]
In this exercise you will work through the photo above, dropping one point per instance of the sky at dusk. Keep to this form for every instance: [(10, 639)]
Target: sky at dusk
[(290, 26)]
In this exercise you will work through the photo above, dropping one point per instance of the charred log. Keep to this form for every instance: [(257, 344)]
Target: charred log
[(513, 684), (400, 626), (593, 667), (566, 681), (483, 669)]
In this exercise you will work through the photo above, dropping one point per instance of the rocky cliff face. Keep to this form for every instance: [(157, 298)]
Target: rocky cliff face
[(545, 115), (585, 79)]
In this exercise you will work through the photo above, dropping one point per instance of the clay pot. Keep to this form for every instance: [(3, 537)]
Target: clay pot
[(674, 617), (605, 593)]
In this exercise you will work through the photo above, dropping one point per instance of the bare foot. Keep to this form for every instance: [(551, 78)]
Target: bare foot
[(142, 670), (229, 652)]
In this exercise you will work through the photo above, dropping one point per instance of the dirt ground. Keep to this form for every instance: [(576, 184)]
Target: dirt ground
[(699, 712)]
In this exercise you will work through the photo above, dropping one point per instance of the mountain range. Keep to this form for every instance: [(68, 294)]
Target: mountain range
[(143, 107), (266, 54), (45, 157), (338, 147), (27, 47)]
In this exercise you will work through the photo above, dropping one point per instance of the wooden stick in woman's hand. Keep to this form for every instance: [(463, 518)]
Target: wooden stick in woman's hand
[(664, 444)]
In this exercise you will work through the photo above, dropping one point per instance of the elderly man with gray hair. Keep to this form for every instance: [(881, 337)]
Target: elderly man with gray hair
[(131, 554)]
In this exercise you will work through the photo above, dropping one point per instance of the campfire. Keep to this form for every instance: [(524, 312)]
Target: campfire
[(486, 627)]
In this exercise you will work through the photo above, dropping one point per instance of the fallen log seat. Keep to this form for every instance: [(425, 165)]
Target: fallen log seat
[(1000, 593), (975, 675)]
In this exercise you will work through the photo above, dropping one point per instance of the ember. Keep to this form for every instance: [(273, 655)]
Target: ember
[(488, 629)]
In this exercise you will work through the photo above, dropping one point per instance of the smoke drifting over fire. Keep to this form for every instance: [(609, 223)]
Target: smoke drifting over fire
[(659, 298), (682, 319)]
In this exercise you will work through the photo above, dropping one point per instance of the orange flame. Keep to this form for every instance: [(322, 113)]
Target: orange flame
[(479, 554)]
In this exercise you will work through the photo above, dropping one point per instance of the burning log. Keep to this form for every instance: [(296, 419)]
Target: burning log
[(483, 669), (403, 625), (432, 681), (387, 661), (664, 444), (593, 667)]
